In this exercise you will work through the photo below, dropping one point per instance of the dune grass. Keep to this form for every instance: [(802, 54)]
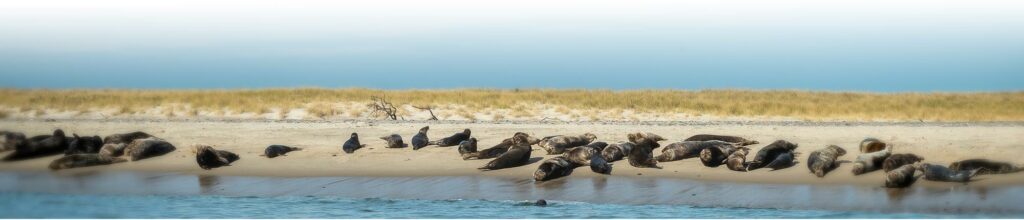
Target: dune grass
[(811, 105)]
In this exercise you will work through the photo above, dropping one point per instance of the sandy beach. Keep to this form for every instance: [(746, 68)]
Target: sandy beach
[(938, 143)]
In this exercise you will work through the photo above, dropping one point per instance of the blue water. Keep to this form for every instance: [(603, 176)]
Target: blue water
[(828, 45), (45, 205)]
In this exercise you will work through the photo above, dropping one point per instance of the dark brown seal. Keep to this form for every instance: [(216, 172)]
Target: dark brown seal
[(616, 151), (352, 144), (209, 158), (273, 151), (453, 140), (40, 146), (776, 155), (517, 155), (642, 154), (420, 140), (146, 148)]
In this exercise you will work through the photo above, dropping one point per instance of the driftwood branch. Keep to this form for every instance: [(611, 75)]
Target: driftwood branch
[(429, 109), (382, 106)]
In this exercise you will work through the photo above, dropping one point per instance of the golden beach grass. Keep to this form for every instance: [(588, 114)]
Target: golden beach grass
[(811, 105)]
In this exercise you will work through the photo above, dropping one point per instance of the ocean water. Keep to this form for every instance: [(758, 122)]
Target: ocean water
[(49, 205)]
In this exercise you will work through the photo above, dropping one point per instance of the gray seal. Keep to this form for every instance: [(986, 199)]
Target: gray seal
[(642, 154), (897, 160), (517, 155), (869, 145), (83, 160), (581, 155), (209, 158), (113, 150), (985, 166), (467, 147), (500, 148), (420, 140), (685, 150), (822, 161), (716, 155), (900, 177), (453, 140), (731, 139), (352, 144), (9, 140), (40, 146), (737, 161), (558, 144), (944, 174), (553, 168), (273, 151), (616, 151), (870, 161), (148, 147), (394, 141), (84, 145), (776, 155)]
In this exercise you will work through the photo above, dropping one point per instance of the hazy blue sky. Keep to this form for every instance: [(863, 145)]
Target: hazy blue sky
[(860, 45)]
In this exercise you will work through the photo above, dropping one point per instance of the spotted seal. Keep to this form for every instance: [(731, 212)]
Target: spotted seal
[(737, 161), (558, 144), (616, 151), (731, 139), (394, 141), (900, 177), (823, 160)]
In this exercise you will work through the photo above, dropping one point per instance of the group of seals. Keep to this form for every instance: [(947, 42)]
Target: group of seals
[(39, 146), (93, 151), (517, 155)]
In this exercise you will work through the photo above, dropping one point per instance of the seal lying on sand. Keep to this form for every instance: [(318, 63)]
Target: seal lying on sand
[(453, 140), (467, 146), (869, 145), (731, 139), (113, 150), (40, 146), (617, 151), (83, 160), (737, 161), (642, 154), (394, 141), (684, 150), (125, 138), (599, 165), (984, 166), (554, 168), (824, 160), (149, 147), (897, 160), (716, 155), (517, 155), (941, 173), (870, 161), (352, 144), (581, 155), (777, 155), (9, 140), (273, 151), (558, 144), (500, 148), (900, 177), (84, 145), (420, 140), (209, 158)]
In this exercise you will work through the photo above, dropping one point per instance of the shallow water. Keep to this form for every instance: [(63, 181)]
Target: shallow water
[(152, 195)]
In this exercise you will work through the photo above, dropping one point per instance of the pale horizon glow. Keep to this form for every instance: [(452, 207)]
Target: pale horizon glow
[(815, 45)]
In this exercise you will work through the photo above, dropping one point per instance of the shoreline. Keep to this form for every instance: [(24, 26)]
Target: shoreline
[(371, 122)]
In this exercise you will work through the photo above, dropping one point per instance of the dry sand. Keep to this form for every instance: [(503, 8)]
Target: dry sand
[(937, 143)]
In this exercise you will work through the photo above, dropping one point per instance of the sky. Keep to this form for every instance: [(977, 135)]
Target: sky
[(864, 45)]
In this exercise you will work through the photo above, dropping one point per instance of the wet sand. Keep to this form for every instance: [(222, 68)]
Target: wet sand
[(601, 190), (939, 143)]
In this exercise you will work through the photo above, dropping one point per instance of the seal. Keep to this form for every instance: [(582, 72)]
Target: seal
[(558, 144), (352, 144), (683, 150), (40, 146), (778, 154), (642, 154), (147, 147), (869, 145), (581, 155), (467, 147), (897, 160), (84, 145), (900, 177), (599, 165), (716, 155), (944, 174), (870, 161), (553, 168), (500, 148), (541, 202), (731, 139), (394, 141), (453, 140), (517, 155), (125, 138), (822, 161), (209, 158), (273, 151), (985, 166), (9, 140), (83, 160), (737, 161), (616, 151), (420, 140)]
